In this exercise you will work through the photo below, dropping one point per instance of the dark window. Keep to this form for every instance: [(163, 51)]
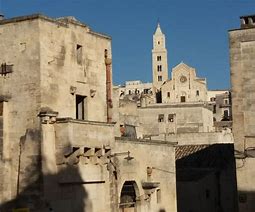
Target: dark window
[(183, 99), (158, 58), (158, 42), (161, 118), (197, 93), (225, 113), (226, 101), (159, 68), (79, 54), (159, 78), (129, 92), (159, 97), (80, 107), (146, 91), (214, 108), (170, 117), (168, 94), (1, 108)]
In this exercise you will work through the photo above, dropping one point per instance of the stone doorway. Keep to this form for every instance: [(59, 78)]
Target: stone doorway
[(128, 197)]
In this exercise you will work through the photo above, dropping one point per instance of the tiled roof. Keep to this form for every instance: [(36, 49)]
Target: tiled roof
[(186, 150)]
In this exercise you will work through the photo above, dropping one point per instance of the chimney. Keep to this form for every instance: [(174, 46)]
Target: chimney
[(108, 63), (247, 21)]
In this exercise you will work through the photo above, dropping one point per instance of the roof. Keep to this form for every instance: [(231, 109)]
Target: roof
[(62, 21), (158, 30), (184, 151)]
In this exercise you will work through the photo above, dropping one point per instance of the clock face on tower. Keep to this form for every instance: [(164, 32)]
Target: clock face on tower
[(183, 79)]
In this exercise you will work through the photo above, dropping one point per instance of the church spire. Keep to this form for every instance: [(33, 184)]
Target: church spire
[(158, 30), (159, 58)]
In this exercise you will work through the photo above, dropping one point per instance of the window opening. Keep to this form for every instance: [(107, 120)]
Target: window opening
[(79, 54), (158, 58), (159, 68), (214, 108), (183, 99), (161, 118), (170, 117), (168, 94), (5, 69), (80, 107), (197, 93), (159, 78), (159, 96), (225, 113)]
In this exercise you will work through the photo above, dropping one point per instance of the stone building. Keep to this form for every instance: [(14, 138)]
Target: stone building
[(242, 63), (59, 148), (184, 86), (182, 91), (183, 110)]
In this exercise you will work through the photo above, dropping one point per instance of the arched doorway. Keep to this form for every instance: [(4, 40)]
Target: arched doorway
[(128, 197)]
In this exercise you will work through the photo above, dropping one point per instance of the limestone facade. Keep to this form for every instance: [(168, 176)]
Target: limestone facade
[(58, 150), (184, 86), (242, 63)]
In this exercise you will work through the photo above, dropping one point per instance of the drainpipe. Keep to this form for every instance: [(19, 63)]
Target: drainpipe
[(108, 63)]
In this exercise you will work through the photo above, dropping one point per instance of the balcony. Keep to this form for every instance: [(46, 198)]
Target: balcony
[(80, 133)]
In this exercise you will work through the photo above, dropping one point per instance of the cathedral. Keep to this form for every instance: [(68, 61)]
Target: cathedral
[(182, 90)]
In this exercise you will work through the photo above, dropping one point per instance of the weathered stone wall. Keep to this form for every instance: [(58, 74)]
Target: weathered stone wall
[(75, 157), (187, 118), (242, 63), (60, 69), (49, 70), (161, 160), (19, 44)]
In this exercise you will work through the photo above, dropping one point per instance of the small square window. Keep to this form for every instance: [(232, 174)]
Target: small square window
[(161, 118), (170, 117), (159, 78), (158, 58)]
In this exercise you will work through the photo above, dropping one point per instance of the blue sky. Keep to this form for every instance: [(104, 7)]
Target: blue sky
[(196, 31)]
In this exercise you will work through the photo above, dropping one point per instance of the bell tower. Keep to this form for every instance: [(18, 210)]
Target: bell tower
[(159, 59)]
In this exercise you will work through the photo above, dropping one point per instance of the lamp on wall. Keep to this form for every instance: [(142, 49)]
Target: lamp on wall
[(128, 157)]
